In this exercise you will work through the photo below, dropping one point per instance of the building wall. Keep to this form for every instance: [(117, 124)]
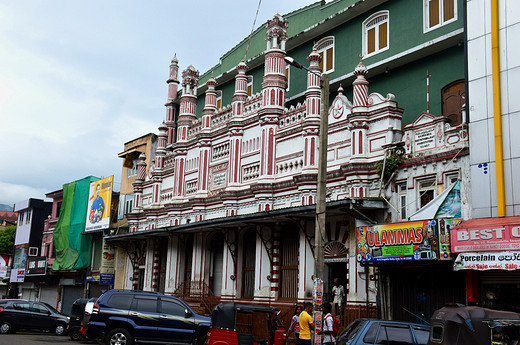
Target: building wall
[(483, 162)]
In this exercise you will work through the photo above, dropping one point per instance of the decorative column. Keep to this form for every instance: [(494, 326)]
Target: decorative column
[(358, 129), (190, 80), (155, 267), (171, 108), (235, 127), (138, 184), (311, 125), (160, 153), (273, 93), (210, 107)]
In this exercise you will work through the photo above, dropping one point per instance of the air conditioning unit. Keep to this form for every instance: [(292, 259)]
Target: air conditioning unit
[(33, 251)]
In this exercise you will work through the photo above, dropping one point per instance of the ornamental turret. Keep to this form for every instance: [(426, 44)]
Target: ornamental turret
[(171, 107), (210, 106), (273, 93), (188, 108)]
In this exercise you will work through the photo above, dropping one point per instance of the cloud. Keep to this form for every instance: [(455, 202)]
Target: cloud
[(12, 193)]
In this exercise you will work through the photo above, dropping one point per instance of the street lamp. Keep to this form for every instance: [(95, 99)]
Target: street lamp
[(321, 202)]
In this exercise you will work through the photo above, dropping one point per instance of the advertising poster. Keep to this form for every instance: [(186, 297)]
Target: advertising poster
[(19, 263), (445, 226), (108, 262), (100, 198)]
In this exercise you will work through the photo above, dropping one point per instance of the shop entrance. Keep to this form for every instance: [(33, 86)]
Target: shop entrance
[(500, 290), (417, 290)]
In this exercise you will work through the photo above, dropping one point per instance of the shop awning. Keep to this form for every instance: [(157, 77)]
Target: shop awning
[(445, 205)]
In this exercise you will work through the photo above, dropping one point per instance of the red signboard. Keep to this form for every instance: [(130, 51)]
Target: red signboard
[(480, 235)]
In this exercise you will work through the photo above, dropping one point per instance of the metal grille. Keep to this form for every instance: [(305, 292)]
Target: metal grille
[(289, 258)]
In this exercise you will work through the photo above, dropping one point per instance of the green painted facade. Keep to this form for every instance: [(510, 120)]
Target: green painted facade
[(406, 78)]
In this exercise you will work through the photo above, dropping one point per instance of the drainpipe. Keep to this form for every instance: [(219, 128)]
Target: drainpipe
[(497, 109)]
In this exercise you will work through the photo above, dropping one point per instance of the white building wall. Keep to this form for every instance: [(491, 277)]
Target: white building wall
[(482, 154)]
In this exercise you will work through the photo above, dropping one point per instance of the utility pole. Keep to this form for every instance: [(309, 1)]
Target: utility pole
[(321, 202)]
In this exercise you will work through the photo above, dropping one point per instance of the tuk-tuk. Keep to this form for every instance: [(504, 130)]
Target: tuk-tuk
[(460, 325), (245, 324), (78, 323)]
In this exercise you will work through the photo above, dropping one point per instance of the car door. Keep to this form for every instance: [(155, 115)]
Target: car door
[(143, 312), (41, 317), (175, 323), (21, 314)]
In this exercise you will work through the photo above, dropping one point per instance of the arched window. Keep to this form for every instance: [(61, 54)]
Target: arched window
[(453, 99), (376, 33), (325, 47)]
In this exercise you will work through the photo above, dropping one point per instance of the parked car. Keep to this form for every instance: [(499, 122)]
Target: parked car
[(245, 324), (18, 314), (124, 317), (370, 331), (463, 325)]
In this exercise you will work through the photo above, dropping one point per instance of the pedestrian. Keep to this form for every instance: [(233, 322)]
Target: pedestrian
[(328, 325), (295, 323), (306, 325), (338, 294)]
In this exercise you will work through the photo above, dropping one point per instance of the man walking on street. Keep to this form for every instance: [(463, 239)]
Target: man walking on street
[(306, 325), (328, 325)]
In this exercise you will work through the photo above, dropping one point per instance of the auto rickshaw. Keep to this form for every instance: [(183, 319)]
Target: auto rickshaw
[(78, 323), (460, 325), (245, 324)]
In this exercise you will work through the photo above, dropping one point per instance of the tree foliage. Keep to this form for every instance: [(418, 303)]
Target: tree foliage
[(7, 239)]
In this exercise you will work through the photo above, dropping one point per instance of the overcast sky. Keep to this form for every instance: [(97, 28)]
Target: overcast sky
[(79, 78)]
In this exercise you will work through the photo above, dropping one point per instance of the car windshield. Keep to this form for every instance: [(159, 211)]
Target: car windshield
[(352, 329), (51, 308)]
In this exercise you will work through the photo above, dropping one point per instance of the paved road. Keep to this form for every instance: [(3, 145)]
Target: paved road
[(38, 338)]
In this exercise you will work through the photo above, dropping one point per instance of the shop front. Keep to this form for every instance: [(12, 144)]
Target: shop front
[(488, 250), (414, 266)]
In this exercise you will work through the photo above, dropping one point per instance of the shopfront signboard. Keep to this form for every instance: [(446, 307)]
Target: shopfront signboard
[(36, 266), (482, 261), (407, 241), (486, 237)]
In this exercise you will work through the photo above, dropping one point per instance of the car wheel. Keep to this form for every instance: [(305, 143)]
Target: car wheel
[(59, 329), (5, 327), (75, 335), (202, 340), (118, 336)]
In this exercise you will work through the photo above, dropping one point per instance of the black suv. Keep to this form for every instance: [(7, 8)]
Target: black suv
[(22, 314), (122, 317)]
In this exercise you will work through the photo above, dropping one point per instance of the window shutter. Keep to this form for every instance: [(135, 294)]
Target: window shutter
[(371, 44), (449, 9), (330, 59), (382, 35), (434, 13), (321, 62)]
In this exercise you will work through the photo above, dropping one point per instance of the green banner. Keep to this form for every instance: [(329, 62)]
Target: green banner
[(398, 250), (73, 250)]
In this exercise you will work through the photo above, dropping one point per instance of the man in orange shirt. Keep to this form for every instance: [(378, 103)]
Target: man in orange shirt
[(306, 325)]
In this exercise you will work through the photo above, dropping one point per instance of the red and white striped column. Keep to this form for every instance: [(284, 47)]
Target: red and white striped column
[(360, 86), (275, 274)]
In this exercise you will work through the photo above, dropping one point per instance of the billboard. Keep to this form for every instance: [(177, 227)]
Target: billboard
[(406, 241), (19, 262), (99, 201)]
